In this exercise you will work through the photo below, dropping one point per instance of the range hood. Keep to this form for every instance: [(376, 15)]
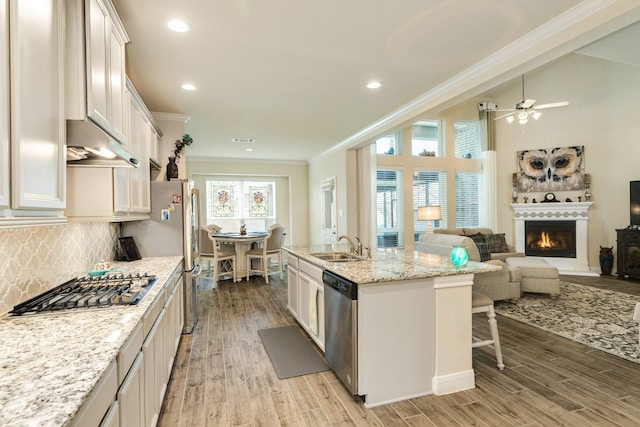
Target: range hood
[(88, 144)]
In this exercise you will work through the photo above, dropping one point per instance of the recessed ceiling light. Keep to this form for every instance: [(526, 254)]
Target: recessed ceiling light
[(188, 86), (178, 26), (374, 85), (249, 149)]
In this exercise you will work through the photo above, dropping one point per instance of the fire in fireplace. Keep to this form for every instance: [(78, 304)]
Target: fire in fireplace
[(550, 238)]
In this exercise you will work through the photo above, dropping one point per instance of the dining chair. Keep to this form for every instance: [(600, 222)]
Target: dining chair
[(224, 263), (269, 247), (206, 249)]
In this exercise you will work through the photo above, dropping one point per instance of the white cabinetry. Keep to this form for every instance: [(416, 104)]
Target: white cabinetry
[(117, 194), (32, 126), (131, 395), (132, 389), (306, 297), (96, 65)]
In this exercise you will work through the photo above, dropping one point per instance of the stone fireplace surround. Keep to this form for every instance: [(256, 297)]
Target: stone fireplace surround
[(557, 212)]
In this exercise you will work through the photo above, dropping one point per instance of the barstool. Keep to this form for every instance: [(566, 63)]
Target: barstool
[(483, 304)]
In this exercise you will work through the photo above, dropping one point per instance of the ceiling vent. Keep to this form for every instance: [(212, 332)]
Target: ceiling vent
[(245, 140)]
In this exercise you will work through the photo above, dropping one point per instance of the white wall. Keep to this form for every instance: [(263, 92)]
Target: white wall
[(603, 116), (293, 212), (325, 166), (172, 126)]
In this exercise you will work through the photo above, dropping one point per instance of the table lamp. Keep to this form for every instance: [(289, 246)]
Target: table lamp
[(429, 213)]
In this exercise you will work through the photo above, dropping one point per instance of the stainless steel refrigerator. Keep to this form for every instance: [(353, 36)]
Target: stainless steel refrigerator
[(173, 230)]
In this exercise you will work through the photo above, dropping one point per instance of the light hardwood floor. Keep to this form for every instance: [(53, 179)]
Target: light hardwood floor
[(223, 376)]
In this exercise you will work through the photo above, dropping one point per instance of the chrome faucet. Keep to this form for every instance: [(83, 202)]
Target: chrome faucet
[(354, 247)]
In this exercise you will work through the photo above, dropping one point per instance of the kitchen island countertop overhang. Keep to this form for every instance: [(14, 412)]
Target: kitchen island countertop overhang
[(413, 319)]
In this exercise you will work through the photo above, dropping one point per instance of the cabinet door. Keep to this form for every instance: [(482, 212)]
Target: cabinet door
[(151, 409), (115, 97), (37, 115), (135, 114), (122, 176), (292, 291), (97, 28), (131, 395), (5, 172), (144, 181), (105, 68)]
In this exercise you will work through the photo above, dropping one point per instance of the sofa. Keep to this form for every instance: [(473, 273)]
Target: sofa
[(498, 285), (503, 249)]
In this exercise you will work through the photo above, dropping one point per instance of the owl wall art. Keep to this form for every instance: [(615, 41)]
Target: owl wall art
[(553, 169)]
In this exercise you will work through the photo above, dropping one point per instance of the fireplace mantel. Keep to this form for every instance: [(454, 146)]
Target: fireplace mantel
[(551, 211), (578, 212)]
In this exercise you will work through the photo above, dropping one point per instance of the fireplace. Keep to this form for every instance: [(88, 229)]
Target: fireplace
[(566, 234), (550, 238)]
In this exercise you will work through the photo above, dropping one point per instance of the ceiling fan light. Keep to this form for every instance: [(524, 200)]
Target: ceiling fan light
[(510, 119), (536, 114), (523, 121)]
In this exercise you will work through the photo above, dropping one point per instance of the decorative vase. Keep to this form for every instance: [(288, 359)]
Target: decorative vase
[(172, 168), (606, 260), (459, 256)]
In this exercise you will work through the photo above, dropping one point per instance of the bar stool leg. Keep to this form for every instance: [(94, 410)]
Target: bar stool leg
[(493, 326)]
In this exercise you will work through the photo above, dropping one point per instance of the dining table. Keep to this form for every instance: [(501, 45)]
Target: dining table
[(242, 243)]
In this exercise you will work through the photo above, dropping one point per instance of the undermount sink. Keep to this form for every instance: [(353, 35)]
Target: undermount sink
[(336, 256)]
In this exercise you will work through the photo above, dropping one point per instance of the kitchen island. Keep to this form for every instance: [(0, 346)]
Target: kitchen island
[(55, 365), (413, 320)]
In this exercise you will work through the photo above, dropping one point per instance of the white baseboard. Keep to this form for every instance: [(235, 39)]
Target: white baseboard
[(453, 383)]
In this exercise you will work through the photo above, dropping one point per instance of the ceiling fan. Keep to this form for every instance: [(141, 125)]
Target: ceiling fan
[(527, 108)]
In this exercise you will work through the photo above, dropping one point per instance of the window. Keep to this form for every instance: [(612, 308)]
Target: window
[(388, 144), (467, 199), (231, 203), (389, 208), (429, 188), (426, 139), (466, 135)]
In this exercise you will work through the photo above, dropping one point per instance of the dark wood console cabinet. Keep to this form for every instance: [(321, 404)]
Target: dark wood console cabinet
[(628, 253)]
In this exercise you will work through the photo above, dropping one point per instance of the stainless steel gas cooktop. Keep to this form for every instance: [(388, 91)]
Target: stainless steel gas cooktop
[(90, 292)]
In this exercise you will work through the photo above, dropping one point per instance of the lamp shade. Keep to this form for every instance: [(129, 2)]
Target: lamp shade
[(429, 213), (459, 256)]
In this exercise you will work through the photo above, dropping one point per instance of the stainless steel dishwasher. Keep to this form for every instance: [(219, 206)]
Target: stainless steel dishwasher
[(341, 328)]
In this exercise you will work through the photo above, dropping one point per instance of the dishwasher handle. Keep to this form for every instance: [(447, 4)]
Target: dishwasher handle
[(344, 286)]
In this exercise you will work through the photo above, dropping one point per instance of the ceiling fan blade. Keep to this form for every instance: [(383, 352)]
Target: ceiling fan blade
[(527, 103), (504, 115), (551, 105)]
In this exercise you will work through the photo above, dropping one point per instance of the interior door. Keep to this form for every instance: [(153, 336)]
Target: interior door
[(329, 224)]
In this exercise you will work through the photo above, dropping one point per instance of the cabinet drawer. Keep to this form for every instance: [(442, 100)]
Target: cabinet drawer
[(100, 399), (629, 237), (129, 351), (152, 313)]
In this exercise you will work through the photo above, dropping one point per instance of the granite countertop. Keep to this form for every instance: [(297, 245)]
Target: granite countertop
[(388, 265), (51, 362)]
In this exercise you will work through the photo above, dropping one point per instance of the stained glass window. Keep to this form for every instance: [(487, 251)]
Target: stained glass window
[(223, 202), (258, 202)]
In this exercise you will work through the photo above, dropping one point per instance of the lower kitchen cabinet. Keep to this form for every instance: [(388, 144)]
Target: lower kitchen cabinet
[(131, 395), (292, 287), (112, 419), (99, 401), (306, 297), (134, 385)]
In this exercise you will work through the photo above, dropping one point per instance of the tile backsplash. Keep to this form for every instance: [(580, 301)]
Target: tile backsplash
[(35, 259)]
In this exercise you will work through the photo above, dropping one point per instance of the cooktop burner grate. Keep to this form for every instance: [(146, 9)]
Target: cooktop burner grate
[(87, 292)]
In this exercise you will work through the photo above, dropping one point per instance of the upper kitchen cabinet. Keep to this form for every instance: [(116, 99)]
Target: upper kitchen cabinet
[(95, 56), (32, 125)]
